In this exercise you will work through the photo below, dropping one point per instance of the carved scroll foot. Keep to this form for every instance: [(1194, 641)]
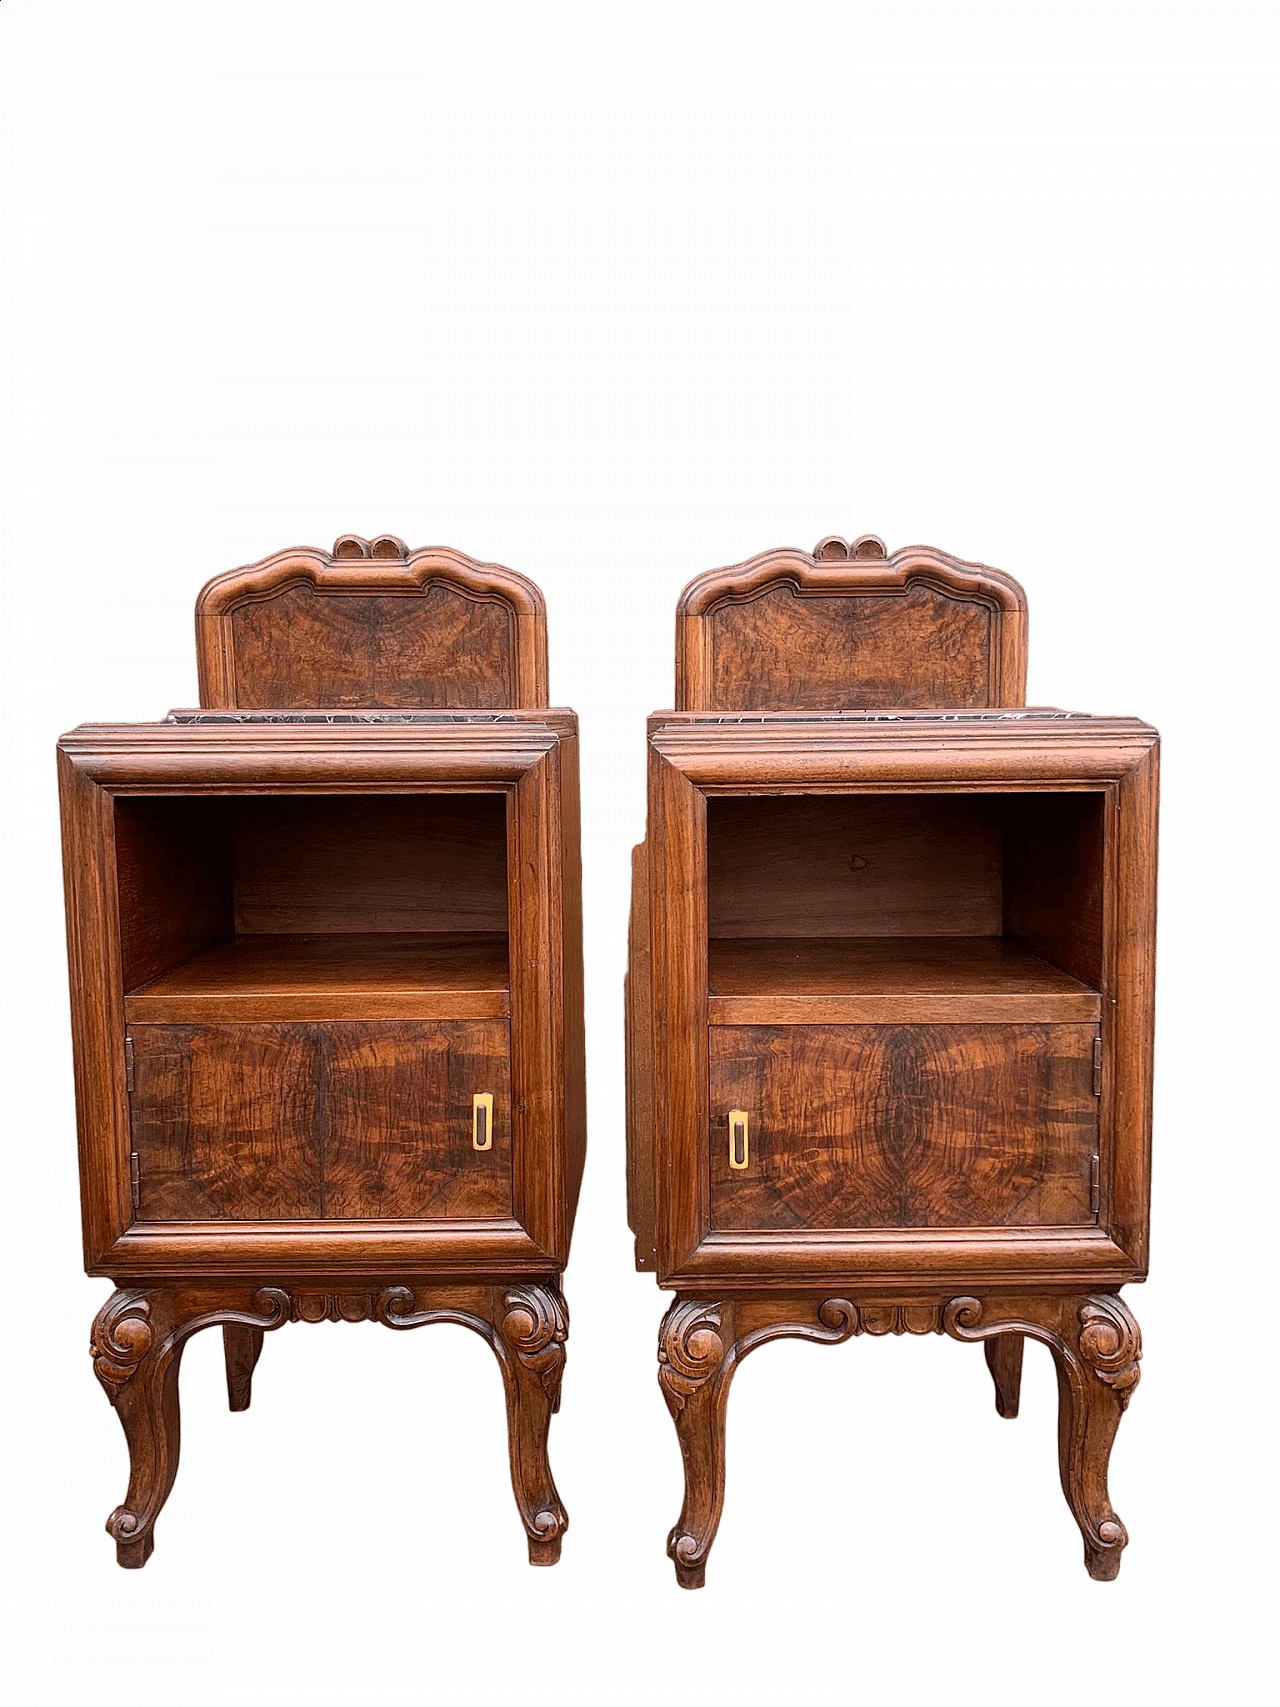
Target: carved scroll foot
[(138, 1339), (1004, 1360), (700, 1344), (526, 1325), (1096, 1347), (533, 1326), (242, 1347)]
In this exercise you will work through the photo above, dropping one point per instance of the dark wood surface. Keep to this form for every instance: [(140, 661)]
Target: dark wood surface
[(909, 1126), (294, 1121), (334, 975)]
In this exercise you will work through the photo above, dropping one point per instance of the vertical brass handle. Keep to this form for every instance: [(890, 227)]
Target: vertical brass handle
[(482, 1121), (739, 1139)]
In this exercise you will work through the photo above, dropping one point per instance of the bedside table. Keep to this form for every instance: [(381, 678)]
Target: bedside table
[(889, 1000), (325, 949)]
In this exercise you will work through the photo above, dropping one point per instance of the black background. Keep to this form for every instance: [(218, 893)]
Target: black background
[(371, 1468)]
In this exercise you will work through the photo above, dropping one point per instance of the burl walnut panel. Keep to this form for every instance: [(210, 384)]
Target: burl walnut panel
[(843, 627), (433, 650), (919, 648), (905, 1126), (372, 627), (296, 1121)]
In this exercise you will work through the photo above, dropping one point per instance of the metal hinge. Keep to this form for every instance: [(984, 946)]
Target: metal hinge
[(135, 1179), (1095, 1183), (1097, 1065), (128, 1062)]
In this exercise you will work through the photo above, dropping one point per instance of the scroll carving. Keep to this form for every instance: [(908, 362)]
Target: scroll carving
[(122, 1336), (1096, 1347), (700, 1345), (526, 1326), (332, 1307), (691, 1349), (535, 1326), (136, 1345)]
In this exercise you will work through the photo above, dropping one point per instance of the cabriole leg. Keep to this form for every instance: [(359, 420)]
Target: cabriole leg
[(1096, 1347), (137, 1345), (1004, 1360), (526, 1325), (241, 1347), (700, 1344)]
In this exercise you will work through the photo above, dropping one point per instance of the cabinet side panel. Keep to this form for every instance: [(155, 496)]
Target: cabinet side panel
[(97, 1007), (904, 1126), (575, 1046), (638, 1002), (225, 1121), (397, 1121)]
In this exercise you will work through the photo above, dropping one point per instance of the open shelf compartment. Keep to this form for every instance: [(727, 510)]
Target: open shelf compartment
[(313, 907), (905, 908)]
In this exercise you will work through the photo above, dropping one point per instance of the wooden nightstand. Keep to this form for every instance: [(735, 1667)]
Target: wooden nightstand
[(326, 983), (890, 1000)]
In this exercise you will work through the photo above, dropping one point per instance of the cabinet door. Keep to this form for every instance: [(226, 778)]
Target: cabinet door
[(904, 1126), (350, 1120)]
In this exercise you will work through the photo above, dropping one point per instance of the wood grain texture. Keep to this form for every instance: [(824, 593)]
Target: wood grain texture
[(808, 632), (293, 1121), (333, 975), (396, 862), (853, 865), (371, 628), (435, 649), (920, 647), (397, 1121), (887, 980), (905, 1126)]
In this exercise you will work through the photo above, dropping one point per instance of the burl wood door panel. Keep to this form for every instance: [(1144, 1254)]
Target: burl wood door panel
[(904, 1126), (352, 1120)]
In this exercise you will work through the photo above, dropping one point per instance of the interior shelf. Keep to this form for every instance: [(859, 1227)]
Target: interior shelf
[(333, 975), (889, 980)]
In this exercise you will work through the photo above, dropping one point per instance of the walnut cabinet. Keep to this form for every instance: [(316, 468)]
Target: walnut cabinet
[(326, 982), (889, 1000)]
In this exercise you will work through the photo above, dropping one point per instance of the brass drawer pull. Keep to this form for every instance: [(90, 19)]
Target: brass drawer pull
[(739, 1139), (482, 1121)]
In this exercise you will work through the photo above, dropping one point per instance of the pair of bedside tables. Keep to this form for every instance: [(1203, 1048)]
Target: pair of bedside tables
[(889, 1000)]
